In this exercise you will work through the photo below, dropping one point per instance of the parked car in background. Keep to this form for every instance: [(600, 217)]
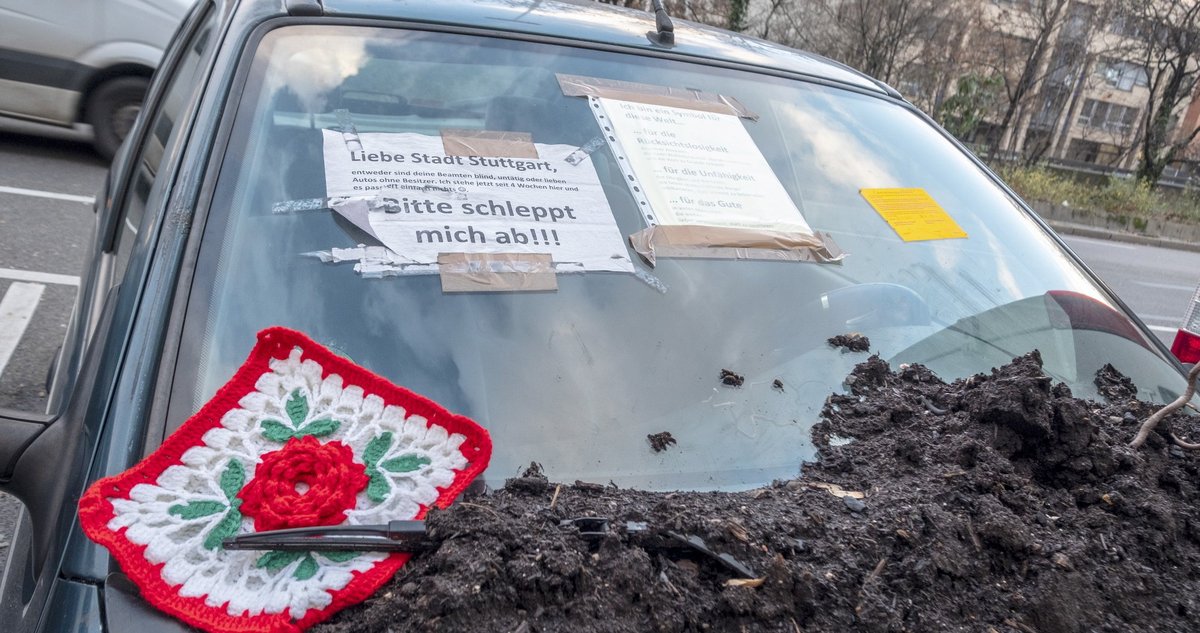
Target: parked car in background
[(221, 219), (65, 62)]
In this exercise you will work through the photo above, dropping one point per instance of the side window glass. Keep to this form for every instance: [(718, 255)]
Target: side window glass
[(163, 129)]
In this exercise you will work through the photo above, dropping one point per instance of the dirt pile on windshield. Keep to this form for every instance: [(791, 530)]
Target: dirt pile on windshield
[(853, 342), (999, 503)]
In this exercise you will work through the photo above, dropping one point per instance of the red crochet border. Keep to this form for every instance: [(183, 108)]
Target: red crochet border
[(95, 509)]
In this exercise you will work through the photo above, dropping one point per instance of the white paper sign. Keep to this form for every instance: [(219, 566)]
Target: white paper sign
[(404, 190), (697, 167)]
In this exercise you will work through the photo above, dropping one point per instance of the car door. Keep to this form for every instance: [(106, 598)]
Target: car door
[(45, 457)]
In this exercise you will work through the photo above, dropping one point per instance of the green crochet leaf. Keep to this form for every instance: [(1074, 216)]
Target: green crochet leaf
[(196, 509), (378, 488), (276, 560), (339, 557), (319, 428), (228, 527), (275, 431), (405, 463), (233, 479), (297, 408), (376, 449), (306, 569)]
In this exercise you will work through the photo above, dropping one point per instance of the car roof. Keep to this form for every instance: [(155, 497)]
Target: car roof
[(591, 21)]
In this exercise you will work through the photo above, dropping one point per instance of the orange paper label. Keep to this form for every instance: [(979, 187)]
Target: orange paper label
[(913, 214)]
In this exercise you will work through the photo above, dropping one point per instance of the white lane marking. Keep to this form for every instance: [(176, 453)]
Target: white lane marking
[(47, 194), (35, 276), (16, 310), (1151, 284), (1091, 240), (1159, 328)]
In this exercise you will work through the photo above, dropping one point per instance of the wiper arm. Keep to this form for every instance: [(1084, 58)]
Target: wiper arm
[(595, 529), (410, 536), (393, 536)]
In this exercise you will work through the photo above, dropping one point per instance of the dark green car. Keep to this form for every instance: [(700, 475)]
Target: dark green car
[(222, 217)]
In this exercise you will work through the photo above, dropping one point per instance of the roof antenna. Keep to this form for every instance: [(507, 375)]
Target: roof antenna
[(664, 34)]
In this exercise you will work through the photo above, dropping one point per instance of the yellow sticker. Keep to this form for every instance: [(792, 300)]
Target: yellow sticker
[(913, 214)]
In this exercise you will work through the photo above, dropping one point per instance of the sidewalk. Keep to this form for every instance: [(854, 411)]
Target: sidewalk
[(1083, 230), (1070, 221)]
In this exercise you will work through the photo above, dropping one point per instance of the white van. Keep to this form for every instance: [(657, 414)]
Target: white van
[(66, 62)]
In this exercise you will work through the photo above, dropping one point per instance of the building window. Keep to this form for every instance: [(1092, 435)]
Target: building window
[(1122, 75), (1079, 20), (1083, 151), (1109, 117), (1050, 109), (1129, 26)]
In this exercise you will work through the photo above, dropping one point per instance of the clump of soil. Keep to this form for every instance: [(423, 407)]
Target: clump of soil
[(853, 342), (731, 378), (998, 503), (660, 441)]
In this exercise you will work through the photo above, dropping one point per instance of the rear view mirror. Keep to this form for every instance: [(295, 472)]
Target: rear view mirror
[(18, 429)]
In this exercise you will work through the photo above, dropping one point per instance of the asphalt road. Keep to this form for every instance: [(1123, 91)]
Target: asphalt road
[(46, 223), (42, 244)]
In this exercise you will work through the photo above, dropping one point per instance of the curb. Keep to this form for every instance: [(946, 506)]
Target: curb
[(1082, 230)]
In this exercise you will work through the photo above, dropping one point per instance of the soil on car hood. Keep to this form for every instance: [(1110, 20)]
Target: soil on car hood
[(996, 503)]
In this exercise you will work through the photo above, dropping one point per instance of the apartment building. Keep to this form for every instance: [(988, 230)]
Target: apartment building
[(1086, 95), (1067, 82)]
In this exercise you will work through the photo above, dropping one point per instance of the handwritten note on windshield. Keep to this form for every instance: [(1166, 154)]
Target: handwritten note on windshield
[(407, 192)]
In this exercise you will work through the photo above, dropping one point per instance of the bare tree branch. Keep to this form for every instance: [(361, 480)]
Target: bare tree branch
[(1177, 404), (1168, 49)]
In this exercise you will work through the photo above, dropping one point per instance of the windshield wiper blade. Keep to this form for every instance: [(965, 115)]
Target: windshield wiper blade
[(595, 529), (410, 536), (393, 536)]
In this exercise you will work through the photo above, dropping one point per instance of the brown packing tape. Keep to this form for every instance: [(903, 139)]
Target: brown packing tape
[(496, 272), (488, 143), (719, 242), (579, 86)]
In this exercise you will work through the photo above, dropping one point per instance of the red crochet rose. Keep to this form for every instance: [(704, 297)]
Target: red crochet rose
[(303, 484)]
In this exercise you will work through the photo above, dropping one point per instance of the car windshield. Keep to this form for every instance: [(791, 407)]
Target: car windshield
[(577, 376)]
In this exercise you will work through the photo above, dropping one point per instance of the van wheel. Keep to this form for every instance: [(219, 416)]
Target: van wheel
[(111, 111)]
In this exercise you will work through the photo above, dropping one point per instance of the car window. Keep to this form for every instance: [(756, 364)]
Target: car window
[(576, 378), (181, 89)]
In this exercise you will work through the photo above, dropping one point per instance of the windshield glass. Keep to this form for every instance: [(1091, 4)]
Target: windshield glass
[(576, 377)]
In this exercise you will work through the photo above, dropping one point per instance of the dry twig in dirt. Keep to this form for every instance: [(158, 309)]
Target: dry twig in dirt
[(1158, 416)]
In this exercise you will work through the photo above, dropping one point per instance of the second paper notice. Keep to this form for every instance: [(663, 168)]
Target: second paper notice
[(701, 168)]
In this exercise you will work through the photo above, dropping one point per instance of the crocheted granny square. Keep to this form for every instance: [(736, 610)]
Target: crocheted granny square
[(298, 437)]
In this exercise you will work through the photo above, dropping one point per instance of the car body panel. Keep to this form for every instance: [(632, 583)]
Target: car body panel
[(125, 610), (44, 104), (133, 394), (126, 373), (595, 22), (106, 54), (147, 283), (74, 606)]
